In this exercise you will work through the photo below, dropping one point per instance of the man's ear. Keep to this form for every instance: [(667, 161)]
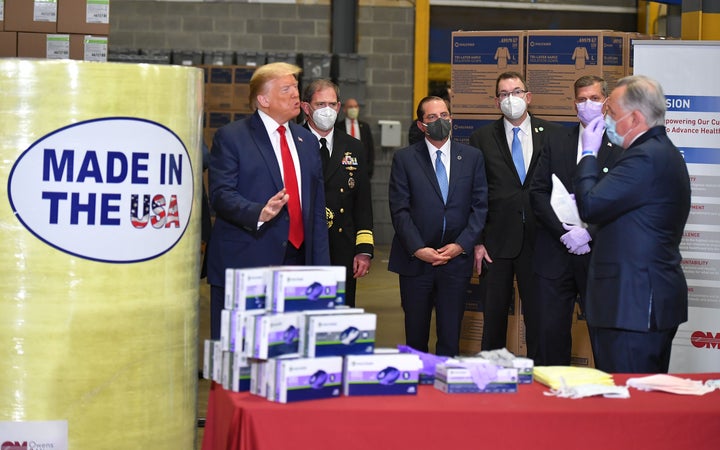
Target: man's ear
[(263, 101)]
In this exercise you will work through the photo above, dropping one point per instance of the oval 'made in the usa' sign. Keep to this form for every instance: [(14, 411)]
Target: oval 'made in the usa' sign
[(116, 189)]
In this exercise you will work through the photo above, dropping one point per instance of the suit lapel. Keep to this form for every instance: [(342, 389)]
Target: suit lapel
[(264, 145), (456, 167), (502, 145), (423, 157)]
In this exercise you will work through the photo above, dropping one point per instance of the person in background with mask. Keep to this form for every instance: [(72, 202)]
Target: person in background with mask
[(637, 295), (359, 130), (562, 251), (348, 206), (511, 147), (438, 203)]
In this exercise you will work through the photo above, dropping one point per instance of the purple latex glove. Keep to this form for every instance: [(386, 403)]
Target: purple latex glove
[(592, 135), (429, 360), (576, 239)]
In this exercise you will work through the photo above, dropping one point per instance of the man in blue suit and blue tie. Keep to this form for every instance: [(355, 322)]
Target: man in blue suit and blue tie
[(636, 292), (438, 203), (266, 187)]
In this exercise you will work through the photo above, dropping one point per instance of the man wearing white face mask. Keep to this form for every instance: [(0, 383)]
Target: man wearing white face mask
[(511, 146), (347, 185), (637, 294), (562, 252)]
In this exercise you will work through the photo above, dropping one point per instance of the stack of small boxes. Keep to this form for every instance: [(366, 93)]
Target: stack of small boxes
[(489, 371), (55, 29), (286, 335)]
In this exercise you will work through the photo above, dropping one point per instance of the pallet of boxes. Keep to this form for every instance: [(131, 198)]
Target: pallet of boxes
[(286, 335), (57, 29)]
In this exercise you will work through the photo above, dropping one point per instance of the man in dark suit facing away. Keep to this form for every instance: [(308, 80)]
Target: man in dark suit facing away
[(637, 294), (438, 202)]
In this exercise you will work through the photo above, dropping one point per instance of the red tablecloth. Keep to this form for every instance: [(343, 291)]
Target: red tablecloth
[(434, 420)]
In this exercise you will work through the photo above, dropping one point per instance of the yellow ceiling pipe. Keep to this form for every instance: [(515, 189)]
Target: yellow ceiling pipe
[(422, 50)]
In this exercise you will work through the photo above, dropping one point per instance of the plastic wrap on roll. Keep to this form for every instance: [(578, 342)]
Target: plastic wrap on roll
[(100, 245)]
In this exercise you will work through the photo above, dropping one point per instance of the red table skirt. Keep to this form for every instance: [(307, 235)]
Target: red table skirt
[(434, 420)]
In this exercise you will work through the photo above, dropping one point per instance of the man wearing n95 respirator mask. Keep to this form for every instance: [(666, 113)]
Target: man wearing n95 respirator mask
[(348, 206), (511, 146)]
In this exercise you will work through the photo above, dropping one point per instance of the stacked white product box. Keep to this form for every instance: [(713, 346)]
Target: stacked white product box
[(304, 288), (275, 335), (340, 334), (307, 379), (246, 289), (381, 374), (503, 357), (456, 376)]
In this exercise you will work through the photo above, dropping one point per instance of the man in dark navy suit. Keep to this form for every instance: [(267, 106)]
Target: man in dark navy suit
[(562, 252), (266, 187), (637, 294), (438, 202)]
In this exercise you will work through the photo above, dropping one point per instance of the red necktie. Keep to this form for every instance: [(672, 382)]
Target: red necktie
[(352, 128), (296, 234)]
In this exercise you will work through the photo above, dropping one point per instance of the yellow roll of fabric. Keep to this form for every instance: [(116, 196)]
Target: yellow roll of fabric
[(100, 245)]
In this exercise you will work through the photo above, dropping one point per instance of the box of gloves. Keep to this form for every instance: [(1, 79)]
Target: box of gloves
[(340, 334), (306, 379), (504, 358), (474, 375), (275, 335), (381, 374), (306, 287)]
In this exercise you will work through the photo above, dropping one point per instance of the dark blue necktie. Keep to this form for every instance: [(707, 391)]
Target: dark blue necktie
[(517, 155)]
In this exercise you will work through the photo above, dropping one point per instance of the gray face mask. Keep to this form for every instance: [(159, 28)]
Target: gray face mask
[(438, 130)]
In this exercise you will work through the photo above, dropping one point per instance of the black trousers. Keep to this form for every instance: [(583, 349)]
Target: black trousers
[(445, 292)]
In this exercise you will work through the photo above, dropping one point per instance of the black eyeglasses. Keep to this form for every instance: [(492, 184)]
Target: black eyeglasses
[(502, 95)]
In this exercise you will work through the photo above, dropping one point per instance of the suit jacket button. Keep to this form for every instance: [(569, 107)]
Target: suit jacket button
[(342, 210), (339, 230), (342, 190)]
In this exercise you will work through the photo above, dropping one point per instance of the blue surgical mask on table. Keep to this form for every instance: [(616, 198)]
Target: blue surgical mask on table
[(611, 132), (588, 110)]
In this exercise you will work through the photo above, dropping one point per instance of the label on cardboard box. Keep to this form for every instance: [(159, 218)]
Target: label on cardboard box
[(95, 48), (45, 11), (57, 46), (97, 11)]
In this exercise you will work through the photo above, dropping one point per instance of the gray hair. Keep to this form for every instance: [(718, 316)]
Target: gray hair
[(644, 94)]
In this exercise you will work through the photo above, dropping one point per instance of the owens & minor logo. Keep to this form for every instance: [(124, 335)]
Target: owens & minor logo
[(117, 189), (9, 445), (705, 339)]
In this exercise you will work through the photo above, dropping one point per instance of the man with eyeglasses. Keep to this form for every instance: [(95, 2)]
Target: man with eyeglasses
[(511, 146), (438, 203), (562, 250), (348, 206), (637, 295)]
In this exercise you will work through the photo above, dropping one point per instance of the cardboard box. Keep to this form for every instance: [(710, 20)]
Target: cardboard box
[(62, 46), (83, 17), (478, 57), (555, 59), (219, 88), (8, 44), (472, 325), (31, 16), (2, 16), (581, 353)]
